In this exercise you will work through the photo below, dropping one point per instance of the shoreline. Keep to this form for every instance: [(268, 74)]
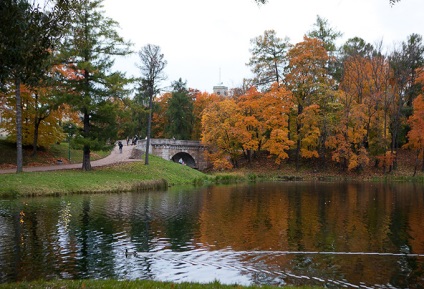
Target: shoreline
[(118, 173)]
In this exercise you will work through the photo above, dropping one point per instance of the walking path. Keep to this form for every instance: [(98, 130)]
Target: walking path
[(113, 158)]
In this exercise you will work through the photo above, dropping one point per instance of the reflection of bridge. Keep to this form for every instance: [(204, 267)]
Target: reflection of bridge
[(190, 152)]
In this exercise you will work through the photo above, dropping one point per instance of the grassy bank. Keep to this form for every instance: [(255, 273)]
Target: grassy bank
[(106, 284), (118, 178), (48, 156)]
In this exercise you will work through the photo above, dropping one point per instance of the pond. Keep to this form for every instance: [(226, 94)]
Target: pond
[(362, 235)]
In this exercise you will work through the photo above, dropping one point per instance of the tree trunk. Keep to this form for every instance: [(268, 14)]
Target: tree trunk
[(422, 166), (35, 139), (19, 154), (416, 163), (297, 154), (86, 163), (37, 121), (298, 142), (149, 127)]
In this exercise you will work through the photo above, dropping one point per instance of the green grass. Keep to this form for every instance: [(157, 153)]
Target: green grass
[(112, 284), (117, 178), (44, 156), (61, 151)]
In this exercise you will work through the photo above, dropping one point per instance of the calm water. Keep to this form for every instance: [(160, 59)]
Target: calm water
[(365, 235)]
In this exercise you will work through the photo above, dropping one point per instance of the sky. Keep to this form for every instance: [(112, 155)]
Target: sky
[(207, 42)]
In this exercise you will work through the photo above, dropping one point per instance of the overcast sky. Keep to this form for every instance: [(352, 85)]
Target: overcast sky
[(200, 38)]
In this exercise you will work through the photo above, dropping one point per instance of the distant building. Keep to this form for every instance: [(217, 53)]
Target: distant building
[(220, 89)]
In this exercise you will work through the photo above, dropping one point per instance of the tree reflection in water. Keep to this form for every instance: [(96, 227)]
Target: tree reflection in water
[(332, 234)]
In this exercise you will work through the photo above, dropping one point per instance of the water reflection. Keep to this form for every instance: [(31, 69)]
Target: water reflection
[(336, 235)]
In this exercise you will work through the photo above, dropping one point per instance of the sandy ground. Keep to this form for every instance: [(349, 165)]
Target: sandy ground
[(113, 158)]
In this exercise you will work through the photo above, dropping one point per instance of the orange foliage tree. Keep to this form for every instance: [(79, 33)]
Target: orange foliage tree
[(42, 118), (201, 101), (221, 133), (309, 132), (347, 141), (252, 121), (368, 80), (159, 119), (309, 82), (277, 104)]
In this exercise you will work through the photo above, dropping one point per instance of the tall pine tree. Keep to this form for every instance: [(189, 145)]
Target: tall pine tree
[(88, 50)]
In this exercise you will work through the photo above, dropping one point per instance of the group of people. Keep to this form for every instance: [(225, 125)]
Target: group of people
[(133, 140)]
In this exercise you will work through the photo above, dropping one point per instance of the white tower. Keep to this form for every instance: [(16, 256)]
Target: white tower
[(220, 89)]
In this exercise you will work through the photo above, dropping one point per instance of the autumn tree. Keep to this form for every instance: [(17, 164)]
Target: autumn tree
[(252, 121), (346, 142), (416, 134), (39, 126), (268, 58), (27, 35), (221, 133), (277, 104), (383, 99), (368, 77), (416, 122), (87, 48), (159, 116), (308, 80), (201, 101)]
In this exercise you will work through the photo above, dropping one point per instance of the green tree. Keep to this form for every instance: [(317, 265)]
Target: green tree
[(356, 46), (27, 36), (325, 33), (268, 58), (88, 47), (405, 61), (328, 36), (180, 112)]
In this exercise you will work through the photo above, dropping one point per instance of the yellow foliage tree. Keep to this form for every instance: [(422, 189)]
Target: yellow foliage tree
[(159, 119), (202, 100), (221, 133), (347, 141), (309, 132), (252, 124), (277, 103), (41, 124), (308, 80)]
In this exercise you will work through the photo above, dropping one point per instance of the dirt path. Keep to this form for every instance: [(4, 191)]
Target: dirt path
[(113, 158)]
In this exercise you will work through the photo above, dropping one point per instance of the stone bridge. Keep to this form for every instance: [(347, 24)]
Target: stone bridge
[(191, 153)]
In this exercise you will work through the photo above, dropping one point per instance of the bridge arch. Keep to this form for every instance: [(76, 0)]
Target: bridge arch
[(185, 158), (191, 152)]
